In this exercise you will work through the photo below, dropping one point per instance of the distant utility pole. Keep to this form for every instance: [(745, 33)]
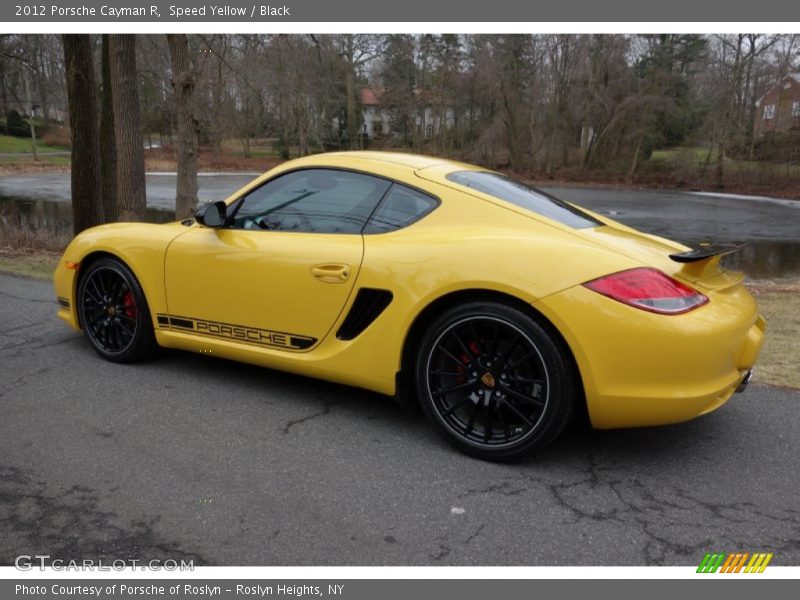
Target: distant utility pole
[(30, 119)]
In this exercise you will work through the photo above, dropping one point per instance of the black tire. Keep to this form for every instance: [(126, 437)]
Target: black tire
[(494, 382), (113, 312)]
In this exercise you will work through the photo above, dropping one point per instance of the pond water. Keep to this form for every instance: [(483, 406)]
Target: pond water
[(762, 259), (55, 217)]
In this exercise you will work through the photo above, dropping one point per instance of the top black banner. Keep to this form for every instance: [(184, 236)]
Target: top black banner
[(188, 11)]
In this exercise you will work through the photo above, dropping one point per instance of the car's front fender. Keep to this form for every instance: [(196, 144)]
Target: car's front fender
[(141, 246)]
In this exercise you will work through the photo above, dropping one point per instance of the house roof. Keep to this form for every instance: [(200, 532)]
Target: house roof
[(375, 96), (369, 97), (795, 76)]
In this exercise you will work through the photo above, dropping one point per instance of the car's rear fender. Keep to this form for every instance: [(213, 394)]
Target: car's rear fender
[(641, 368)]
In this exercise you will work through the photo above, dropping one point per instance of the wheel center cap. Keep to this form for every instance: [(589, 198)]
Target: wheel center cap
[(112, 311), (488, 379)]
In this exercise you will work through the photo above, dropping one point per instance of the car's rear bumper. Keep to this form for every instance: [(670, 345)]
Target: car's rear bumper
[(640, 368)]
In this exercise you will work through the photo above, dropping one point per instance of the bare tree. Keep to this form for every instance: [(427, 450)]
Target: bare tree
[(555, 105), (130, 146), (108, 138), (356, 50), (183, 82), (87, 207)]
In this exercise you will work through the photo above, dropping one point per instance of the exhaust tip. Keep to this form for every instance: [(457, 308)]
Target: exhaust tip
[(745, 380)]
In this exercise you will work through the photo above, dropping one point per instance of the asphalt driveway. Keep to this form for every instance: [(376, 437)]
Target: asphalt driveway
[(192, 457)]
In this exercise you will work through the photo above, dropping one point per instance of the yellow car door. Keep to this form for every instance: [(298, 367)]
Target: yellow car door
[(278, 271)]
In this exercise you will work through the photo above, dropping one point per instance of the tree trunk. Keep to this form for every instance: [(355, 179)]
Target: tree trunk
[(635, 162), (87, 207), (108, 139), (719, 174), (512, 132), (350, 90), (217, 128), (130, 147), (183, 83), (352, 128)]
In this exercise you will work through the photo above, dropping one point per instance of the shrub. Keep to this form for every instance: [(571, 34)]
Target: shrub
[(16, 125), (777, 146), (55, 136)]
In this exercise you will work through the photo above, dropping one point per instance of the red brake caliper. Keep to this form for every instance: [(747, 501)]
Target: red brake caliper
[(473, 346), (129, 302)]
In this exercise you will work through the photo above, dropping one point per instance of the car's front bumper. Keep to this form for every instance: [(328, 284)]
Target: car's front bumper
[(640, 368), (64, 280)]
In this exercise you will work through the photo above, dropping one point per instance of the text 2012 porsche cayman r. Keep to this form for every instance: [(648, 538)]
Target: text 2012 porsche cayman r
[(501, 310)]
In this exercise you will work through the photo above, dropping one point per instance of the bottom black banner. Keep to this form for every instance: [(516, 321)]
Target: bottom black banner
[(385, 589)]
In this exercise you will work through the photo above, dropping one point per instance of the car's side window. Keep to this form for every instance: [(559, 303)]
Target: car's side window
[(401, 207), (313, 201)]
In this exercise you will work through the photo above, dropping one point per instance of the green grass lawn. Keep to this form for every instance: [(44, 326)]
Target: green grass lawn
[(696, 156), (779, 302), (40, 266), (258, 153), (11, 144), (697, 153), (57, 160)]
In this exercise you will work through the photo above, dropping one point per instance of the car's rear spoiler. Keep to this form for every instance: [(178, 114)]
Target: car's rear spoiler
[(704, 261), (705, 251)]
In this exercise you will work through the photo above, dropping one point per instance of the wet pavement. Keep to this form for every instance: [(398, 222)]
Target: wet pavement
[(160, 188), (772, 227), (693, 217)]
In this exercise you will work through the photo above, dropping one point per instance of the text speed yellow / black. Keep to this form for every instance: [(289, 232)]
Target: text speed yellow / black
[(500, 309)]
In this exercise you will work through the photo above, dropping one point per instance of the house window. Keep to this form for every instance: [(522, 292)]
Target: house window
[(796, 109), (769, 111)]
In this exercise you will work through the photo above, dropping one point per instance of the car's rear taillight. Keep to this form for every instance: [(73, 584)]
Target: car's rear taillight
[(649, 289)]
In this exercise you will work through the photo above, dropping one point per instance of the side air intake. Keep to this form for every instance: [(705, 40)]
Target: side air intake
[(367, 307)]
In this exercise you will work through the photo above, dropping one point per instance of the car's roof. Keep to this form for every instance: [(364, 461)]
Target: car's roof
[(414, 162)]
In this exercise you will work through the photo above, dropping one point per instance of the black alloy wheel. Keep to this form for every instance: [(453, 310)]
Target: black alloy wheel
[(113, 312), (494, 381)]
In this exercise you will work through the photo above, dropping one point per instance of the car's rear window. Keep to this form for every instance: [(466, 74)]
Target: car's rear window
[(525, 197)]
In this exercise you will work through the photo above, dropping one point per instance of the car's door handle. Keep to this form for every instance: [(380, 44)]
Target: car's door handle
[(331, 273)]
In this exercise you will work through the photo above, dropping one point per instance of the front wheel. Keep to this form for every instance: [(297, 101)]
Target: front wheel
[(494, 382), (113, 312)]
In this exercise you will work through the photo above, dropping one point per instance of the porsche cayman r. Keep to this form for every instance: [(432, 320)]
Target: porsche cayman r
[(501, 310)]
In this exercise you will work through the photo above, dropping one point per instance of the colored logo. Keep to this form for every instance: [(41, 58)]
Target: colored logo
[(735, 562)]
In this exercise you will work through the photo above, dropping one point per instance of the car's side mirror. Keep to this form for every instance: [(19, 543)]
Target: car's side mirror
[(213, 214)]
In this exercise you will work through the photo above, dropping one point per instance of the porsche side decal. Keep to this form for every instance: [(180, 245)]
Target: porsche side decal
[(239, 333)]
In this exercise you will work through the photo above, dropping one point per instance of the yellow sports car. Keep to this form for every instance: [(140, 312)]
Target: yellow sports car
[(502, 311)]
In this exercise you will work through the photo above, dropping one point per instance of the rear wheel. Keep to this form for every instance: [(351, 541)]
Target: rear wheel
[(113, 312), (493, 381)]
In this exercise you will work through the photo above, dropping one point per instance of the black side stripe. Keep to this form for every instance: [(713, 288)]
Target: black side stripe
[(237, 333)]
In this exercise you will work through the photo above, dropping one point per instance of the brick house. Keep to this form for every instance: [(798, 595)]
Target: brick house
[(779, 108)]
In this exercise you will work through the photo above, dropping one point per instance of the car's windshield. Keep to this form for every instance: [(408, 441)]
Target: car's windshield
[(524, 196)]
